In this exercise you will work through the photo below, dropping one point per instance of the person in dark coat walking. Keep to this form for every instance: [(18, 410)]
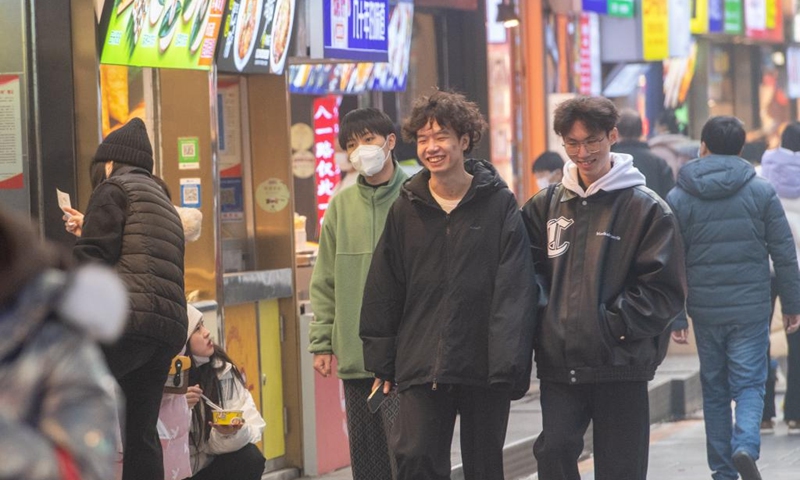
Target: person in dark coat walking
[(609, 253), (732, 223), (657, 173), (130, 224), (448, 311)]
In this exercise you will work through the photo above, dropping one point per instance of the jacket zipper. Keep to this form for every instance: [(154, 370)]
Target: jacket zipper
[(441, 332)]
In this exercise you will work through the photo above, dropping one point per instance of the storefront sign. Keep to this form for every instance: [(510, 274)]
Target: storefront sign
[(190, 192), (11, 168), (716, 16), (164, 34), (793, 72), (680, 34), (589, 71), (699, 22), (734, 24), (763, 20), (326, 129), (255, 36), (356, 29), (655, 30), (596, 6), (352, 78), (620, 8)]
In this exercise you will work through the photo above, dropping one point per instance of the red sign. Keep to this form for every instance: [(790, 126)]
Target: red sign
[(326, 129)]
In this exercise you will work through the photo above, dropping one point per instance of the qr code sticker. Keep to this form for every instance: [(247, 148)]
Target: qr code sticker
[(191, 195)]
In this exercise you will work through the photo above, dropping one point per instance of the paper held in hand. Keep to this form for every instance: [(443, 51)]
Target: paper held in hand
[(63, 201)]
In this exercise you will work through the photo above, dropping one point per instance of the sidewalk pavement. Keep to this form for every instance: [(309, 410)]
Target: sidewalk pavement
[(674, 393), (678, 450)]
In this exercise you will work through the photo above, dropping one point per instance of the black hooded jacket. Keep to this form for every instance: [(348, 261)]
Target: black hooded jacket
[(450, 298)]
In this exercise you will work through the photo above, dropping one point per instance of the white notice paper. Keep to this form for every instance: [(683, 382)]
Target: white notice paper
[(63, 200)]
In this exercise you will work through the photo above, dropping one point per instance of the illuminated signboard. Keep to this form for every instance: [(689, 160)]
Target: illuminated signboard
[(326, 129), (354, 78), (162, 33), (356, 29), (255, 36)]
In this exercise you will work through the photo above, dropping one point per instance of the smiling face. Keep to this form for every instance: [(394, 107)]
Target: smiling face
[(200, 343), (440, 149), (591, 166)]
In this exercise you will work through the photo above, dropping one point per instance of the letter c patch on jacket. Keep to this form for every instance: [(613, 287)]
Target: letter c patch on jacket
[(555, 228)]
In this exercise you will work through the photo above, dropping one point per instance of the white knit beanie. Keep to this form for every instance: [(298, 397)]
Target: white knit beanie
[(195, 316)]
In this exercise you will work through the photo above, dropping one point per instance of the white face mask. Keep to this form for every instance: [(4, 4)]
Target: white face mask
[(368, 159), (543, 183)]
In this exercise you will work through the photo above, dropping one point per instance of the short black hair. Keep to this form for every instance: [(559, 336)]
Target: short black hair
[(548, 162), (790, 138), (723, 135), (630, 123), (358, 123), (450, 110), (668, 119), (598, 114)]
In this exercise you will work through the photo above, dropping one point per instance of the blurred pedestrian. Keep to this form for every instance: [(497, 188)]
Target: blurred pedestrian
[(732, 223), (57, 409), (609, 255), (781, 167), (657, 173), (130, 224), (220, 450), (547, 168), (353, 223), (448, 310), (670, 143)]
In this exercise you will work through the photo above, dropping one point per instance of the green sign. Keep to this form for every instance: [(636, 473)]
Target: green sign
[(188, 153), (620, 8), (162, 33), (733, 23)]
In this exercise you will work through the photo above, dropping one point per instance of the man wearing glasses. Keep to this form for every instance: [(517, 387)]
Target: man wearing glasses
[(609, 256)]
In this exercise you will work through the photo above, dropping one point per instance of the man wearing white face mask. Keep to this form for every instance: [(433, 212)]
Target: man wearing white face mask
[(353, 224)]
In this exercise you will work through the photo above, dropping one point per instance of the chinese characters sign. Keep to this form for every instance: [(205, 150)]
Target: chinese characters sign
[(326, 129), (356, 29)]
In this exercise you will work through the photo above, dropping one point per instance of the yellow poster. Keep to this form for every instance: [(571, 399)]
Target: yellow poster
[(699, 23), (655, 29)]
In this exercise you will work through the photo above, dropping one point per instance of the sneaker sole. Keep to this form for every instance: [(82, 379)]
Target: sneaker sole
[(746, 466)]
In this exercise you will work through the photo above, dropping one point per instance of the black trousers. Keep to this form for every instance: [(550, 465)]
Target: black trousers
[(620, 412), (247, 463), (423, 431), (141, 368)]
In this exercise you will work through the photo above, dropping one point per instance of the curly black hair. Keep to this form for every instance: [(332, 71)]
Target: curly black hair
[(450, 110)]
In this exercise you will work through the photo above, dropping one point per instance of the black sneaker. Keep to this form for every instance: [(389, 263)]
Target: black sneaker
[(746, 466)]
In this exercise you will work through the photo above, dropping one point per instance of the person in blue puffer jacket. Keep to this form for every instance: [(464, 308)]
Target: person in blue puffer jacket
[(781, 166), (732, 224)]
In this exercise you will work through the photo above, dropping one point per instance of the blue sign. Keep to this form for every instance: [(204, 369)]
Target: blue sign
[(356, 29), (716, 15), (596, 6)]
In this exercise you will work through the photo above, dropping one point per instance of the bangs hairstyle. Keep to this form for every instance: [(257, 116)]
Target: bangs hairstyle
[(358, 123), (597, 114), (450, 110), (723, 135), (547, 162)]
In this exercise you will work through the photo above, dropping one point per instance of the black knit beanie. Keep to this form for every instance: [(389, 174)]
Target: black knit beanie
[(129, 145)]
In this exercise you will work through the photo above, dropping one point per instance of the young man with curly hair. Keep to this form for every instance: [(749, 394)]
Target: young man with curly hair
[(448, 309)]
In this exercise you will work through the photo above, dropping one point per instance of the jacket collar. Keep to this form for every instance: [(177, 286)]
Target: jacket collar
[(383, 193), (485, 179)]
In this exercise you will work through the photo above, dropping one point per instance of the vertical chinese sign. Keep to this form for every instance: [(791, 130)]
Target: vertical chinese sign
[(11, 167), (589, 68), (326, 129)]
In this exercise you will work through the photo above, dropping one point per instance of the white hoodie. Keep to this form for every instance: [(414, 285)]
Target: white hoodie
[(622, 175)]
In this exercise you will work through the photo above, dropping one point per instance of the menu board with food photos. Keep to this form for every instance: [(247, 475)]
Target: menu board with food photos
[(255, 36), (162, 33)]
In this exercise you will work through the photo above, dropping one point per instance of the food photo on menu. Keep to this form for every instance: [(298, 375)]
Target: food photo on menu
[(161, 33), (256, 35)]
